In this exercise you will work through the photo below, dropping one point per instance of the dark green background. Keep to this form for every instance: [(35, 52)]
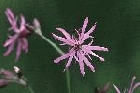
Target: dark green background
[(118, 28)]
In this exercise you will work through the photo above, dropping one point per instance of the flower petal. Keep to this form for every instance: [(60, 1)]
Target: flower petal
[(8, 42), (59, 38), (19, 48), (7, 74), (10, 16), (97, 48), (25, 44), (101, 59), (131, 86), (81, 63), (10, 48), (87, 35), (117, 90), (67, 35), (63, 40), (63, 56), (69, 62), (91, 30), (89, 64), (70, 59), (84, 27), (135, 86)]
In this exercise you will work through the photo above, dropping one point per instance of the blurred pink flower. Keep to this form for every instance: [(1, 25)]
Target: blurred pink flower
[(8, 77), (19, 37), (78, 50), (132, 87)]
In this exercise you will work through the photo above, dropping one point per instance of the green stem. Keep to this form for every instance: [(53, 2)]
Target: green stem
[(61, 53), (30, 89), (54, 45), (68, 80)]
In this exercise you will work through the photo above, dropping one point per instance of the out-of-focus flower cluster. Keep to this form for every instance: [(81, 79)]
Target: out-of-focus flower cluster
[(8, 77)]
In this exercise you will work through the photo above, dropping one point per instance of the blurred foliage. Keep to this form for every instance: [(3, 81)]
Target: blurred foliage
[(118, 28)]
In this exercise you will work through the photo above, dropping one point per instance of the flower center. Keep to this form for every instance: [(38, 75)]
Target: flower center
[(24, 33), (77, 47)]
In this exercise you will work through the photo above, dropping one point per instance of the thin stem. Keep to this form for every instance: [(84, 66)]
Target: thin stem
[(54, 45), (30, 89), (68, 80), (61, 53)]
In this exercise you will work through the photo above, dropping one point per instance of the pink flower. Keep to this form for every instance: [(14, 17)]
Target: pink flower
[(132, 87), (19, 37), (8, 77), (78, 50)]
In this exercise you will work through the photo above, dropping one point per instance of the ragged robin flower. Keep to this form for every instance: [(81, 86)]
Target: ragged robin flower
[(8, 77), (20, 34), (78, 50), (131, 89)]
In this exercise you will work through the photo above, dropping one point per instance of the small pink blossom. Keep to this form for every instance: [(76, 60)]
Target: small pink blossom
[(8, 77), (78, 50), (19, 37), (131, 89)]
